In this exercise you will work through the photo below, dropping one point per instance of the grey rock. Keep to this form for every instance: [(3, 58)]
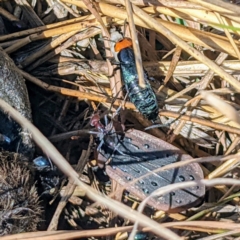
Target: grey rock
[(13, 90)]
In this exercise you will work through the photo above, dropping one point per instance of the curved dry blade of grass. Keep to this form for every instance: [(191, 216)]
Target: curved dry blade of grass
[(229, 10), (173, 64), (223, 107), (221, 235), (67, 169), (229, 36), (184, 185)]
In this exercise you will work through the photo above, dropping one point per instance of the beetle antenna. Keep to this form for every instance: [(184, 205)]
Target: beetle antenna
[(106, 39), (166, 124)]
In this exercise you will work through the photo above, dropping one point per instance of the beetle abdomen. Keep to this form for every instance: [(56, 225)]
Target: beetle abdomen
[(144, 99)]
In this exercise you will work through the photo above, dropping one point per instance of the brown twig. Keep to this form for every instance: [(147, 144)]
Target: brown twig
[(44, 28), (217, 126), (53, 44), (74, 93), (80, 36), (173, 64), (28, 10), (135, 42), (196, 15), (69, 190), (52, 32), (92, 8), (8, 15)]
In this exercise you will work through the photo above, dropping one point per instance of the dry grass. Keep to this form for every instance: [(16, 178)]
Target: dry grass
[(191, 48)]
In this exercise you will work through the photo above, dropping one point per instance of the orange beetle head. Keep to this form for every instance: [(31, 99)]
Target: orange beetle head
[(124, 43)]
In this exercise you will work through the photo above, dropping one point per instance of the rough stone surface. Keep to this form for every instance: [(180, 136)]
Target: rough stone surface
[(13, 90)]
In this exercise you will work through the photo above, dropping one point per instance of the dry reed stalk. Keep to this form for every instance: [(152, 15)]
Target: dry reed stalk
[(92, 7), (197, 15), (135, 42), (165, 3), (65, 29), (188, 68), (90, 33), (223, 168), (20, 43), (233, 145), (50, 33), (223, 107), (8, 15), (214, 125), (229, 36), (173, 65), (231, 11), (46, 27), (75, 93), (30, 13), (53, 44)]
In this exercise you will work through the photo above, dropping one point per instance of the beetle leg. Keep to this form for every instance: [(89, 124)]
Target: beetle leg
[(100, 145), (119, 151), (105, 120), (5, 139)]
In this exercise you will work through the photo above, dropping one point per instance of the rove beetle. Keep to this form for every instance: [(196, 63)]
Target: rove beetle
[(143, 98)]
